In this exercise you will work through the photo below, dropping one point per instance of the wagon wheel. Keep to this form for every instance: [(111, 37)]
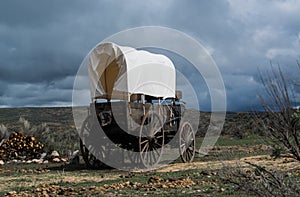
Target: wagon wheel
[(187, 142), (90, 160), (151, 139)]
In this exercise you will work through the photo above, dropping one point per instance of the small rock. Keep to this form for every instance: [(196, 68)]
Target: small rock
[(35, 160), (75, 153), (155, 179), (46, 161), (57, 160), (54, 154), (63, 160), (29, 161), (1, 162), (22, 157), (92, 188), (43, 155), (12, 193), (45, 194)]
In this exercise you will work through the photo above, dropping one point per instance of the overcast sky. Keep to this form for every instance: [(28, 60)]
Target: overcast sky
[(42, 43)]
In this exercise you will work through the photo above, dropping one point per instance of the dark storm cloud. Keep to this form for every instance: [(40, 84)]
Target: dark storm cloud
[(48, 39), (36, 95), (42, 43)]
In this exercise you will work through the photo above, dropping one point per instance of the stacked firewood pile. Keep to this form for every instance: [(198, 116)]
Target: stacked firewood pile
[(20, 146)]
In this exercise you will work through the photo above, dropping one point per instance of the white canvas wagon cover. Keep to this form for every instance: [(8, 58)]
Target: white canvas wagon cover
[(116, 72)]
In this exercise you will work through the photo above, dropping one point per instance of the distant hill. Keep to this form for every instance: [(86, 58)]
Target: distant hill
[(57, 118), (61, 119)]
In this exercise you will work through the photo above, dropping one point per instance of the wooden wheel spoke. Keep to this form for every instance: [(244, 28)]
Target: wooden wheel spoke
[(145, 147), (187, 156), (182, 152), (144, 156), (157, 126), (182, 145), (188, 151), (158, 130), (143, 142), (145, 131), (154, 155), (189, 135), (183, 140), (156, 150), (150, 157), (159, 145)]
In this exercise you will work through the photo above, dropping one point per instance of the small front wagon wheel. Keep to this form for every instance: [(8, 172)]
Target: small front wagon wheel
[(187, 142)]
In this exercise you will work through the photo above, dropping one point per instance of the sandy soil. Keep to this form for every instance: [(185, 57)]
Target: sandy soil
[(283, 163)]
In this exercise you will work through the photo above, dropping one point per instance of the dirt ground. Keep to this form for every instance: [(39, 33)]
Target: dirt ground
[(282, 163), (42, 178)]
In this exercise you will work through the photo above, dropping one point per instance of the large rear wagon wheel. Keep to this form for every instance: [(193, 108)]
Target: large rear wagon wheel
[(151, 139), (187, 142), (90, 160)]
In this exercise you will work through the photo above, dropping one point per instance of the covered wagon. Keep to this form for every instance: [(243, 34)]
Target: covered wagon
[(135, 103)]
